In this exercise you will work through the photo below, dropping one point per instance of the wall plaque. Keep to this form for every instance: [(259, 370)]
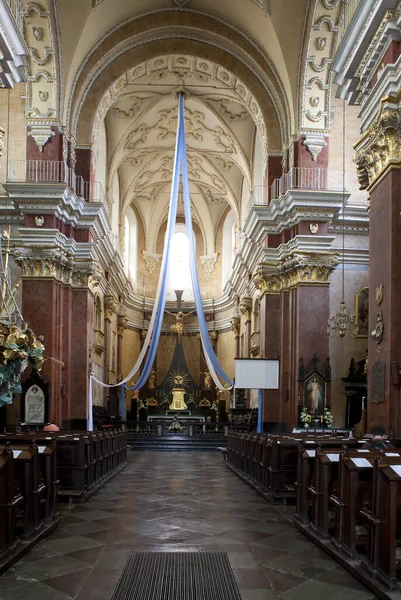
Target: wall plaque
[(35, 400), (34, 406), (378, 382)]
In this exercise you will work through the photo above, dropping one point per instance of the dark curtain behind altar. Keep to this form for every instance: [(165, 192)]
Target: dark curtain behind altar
[(191, 347)]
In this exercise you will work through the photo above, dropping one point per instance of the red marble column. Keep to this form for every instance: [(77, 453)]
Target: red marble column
[(308, 321), (287, 390), (270, 344), (384, 269), (41, 300)]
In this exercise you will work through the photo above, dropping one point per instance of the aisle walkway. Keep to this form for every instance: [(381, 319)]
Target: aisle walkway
[(177, 502)]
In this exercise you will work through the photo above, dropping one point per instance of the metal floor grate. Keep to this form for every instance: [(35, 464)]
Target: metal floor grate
[(177, 576)]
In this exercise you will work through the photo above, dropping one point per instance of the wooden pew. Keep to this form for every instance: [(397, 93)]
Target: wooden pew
[(10, 502), (382, 518)]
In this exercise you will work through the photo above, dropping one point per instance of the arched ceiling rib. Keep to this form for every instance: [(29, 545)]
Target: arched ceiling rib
[(221, 119)]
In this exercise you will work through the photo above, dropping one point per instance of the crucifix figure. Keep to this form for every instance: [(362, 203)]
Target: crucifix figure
[(178, 326)]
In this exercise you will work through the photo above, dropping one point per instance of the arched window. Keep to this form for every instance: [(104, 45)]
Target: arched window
[(179, 275), (228, 249), (130, 245)]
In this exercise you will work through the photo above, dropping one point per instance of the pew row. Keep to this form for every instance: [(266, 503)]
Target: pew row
[(86, 460), (347, 497), (28, 497)]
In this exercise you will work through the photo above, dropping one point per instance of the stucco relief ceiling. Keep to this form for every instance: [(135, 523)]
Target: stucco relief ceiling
[(222, 119)]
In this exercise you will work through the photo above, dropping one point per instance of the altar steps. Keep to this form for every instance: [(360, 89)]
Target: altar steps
[(176, 443)]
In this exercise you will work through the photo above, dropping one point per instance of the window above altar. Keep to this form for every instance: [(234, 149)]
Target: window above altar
[(179, 272)]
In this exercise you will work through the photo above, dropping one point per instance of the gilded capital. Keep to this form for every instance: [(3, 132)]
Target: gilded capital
[(42, 262), (266, 280), (307, 268), (380, 147)]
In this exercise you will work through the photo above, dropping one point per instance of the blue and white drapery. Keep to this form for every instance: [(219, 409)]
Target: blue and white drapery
[(155, 325)]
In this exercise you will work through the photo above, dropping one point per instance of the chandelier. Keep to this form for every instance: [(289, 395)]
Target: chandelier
[(342, 323)]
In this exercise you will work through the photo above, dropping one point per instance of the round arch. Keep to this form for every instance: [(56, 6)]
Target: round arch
[(169, 32)]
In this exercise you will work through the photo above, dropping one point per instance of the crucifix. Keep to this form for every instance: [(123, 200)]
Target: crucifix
[(178, 326)]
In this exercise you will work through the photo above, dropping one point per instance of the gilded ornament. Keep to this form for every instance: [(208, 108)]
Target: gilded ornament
[(377, 333), (379, 294), (321, 43), (209, 262)]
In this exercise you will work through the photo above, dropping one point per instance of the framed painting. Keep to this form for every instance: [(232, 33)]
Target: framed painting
[(315, 394), (362, 313)]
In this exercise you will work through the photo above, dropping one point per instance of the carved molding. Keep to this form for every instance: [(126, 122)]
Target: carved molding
[(2, 134), (245, 307), (110, 306), (315, 142), (42, 100), (41, 133), (380, 147), (151, 259), (236, 324), (209, 262), (267, 281), (122, 323), (310, 268), (42, 262)]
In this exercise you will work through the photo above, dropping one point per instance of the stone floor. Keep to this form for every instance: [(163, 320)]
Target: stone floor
[(186, 502)]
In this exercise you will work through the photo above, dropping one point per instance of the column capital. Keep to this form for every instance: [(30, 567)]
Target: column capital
[(379, 150), (245, 307), (41, 262), (267, 280), (110, 305), (311, 268)]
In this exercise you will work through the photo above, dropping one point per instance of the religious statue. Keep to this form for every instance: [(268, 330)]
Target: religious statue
[(207, 380), (152, 379), (178, 326), (315, 396)]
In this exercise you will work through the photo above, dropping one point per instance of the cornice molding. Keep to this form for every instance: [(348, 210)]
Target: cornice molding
[(379, 150)]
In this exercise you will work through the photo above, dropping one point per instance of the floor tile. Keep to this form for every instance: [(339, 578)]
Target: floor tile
[(184, 503)]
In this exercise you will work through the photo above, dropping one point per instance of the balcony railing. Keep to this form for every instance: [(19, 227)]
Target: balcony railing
[(54, 171), (297, 178)]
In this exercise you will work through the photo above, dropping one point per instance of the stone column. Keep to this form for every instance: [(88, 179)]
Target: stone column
[(44, 275), (110, 309), (236, 327), (294, 310), (270, 319), (378, 163), (121, 327), (245, 307), (306, 277)]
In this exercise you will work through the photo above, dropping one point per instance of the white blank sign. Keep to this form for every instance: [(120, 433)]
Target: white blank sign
[(257, 374)]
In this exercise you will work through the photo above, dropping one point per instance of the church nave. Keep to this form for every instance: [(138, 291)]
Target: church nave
[(177, 502)]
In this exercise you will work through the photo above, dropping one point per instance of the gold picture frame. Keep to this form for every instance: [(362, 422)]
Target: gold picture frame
[(362, 313)]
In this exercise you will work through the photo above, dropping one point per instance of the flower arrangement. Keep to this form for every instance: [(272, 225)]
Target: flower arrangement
[(305, 417), (19, 346), (175, 425), (328, 417)]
